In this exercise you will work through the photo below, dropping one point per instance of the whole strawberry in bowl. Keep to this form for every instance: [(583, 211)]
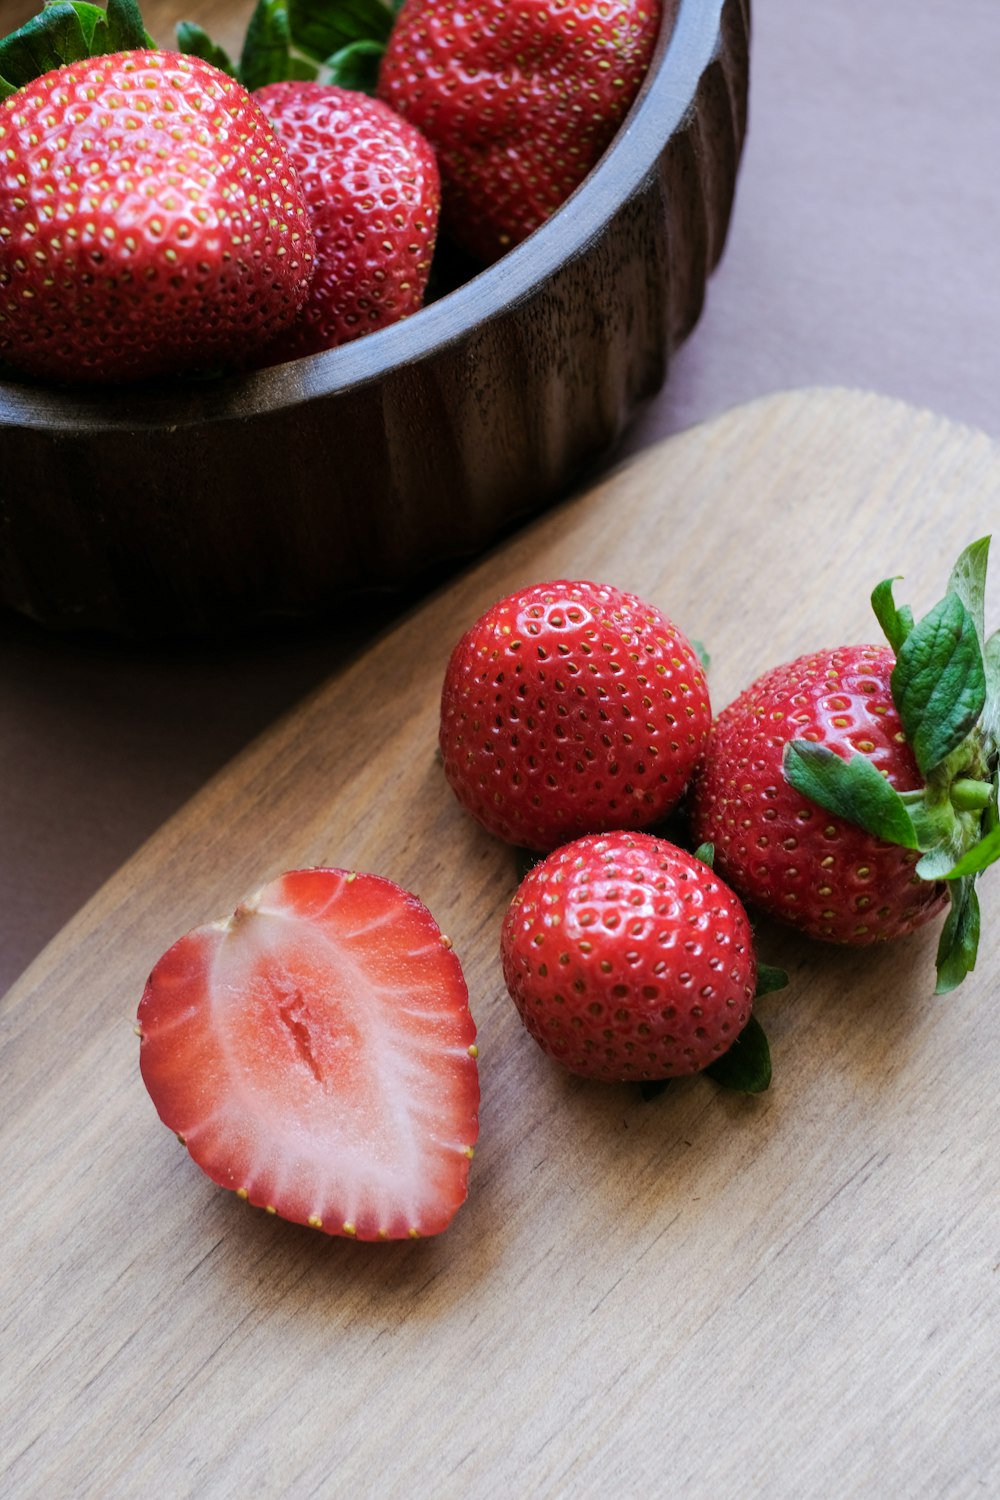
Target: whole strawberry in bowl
[(289, 489), (853, 793), (520, 99), (371, 184), (150, 222)]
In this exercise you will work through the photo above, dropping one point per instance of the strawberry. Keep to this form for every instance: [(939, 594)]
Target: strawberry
[(150, 222), (371, 183), (852, 792), (519, 98), (316, 1054), (571, 708), (627, 958)]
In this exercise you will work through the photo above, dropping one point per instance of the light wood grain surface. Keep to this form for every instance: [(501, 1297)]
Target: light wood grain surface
[(702, 1296)]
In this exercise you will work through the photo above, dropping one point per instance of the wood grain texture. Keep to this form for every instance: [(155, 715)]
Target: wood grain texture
[(793, 1295), (181, 508)]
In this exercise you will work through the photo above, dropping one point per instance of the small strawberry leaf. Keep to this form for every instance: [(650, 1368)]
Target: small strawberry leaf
[(66, 31), (896, 623), (939, 682), (125, 31), (702, 655), (267, 55), (356, 66), (769, 979), (195, 42), (938, 863), (706, 854), (322, 28), (989, 724), (58, 34), (983, 854), (959, 944), (968, 581), (851, 789), (746, 1067)]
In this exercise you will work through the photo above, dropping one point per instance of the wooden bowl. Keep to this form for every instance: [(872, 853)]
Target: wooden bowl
[(376, 465)]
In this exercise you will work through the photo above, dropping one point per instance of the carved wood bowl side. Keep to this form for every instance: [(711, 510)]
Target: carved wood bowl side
[(372, 466)]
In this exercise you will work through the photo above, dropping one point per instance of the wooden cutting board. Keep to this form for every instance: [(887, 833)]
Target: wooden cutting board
[(704, 1295)]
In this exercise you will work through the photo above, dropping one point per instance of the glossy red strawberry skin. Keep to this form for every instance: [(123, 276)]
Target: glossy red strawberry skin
[(371, 182), (627, 958), (316, 1055), (150, 222), (519, 98), (568, 708), (784, 854)]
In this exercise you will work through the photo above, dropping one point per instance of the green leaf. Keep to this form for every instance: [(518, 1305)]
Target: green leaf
[(896, 623), (746, 1067), (92, 18), (938, 682), (851, 789), (968, 581), (125, 32), (195, 42), (356, 66), (322, 28), (769, 979), (6, 89), (58, 34), (266, 56), (959, 944), (702, 655), (938, 863), (978, 858), (989, 723), (705, 853), (65, 32)]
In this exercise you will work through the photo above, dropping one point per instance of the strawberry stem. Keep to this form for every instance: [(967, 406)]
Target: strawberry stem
[(971, 796), (946, 688)]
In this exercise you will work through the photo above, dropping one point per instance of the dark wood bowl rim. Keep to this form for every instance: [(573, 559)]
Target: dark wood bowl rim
[(658, 111)]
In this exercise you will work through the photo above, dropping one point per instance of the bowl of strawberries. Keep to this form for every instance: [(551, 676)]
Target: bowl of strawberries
[(325, 317)]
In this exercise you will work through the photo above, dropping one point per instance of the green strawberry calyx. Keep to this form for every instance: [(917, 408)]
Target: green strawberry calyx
[(66, 31), (946, 688), (745, 1066), (331, 41)]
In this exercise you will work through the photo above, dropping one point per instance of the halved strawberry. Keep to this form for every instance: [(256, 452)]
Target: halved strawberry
[(316, 1055)]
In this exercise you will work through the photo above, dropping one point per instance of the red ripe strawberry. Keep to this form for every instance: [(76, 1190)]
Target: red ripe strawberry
[(790, 857), (518, 97), (372, 186), (850, 792), (150, 223), (316, 1054), (628, 959), (571, 708)]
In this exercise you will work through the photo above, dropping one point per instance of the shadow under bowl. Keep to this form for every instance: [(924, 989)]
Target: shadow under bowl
[(368, 468)]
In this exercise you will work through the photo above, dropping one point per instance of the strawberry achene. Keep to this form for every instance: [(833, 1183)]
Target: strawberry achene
[(150, 221), (372, 186), (519, 98), (571, 707), (783, 853), (628, 958)]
